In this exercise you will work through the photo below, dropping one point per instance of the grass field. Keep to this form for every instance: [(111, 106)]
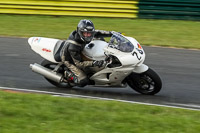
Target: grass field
[(35, 113), (171, 33)]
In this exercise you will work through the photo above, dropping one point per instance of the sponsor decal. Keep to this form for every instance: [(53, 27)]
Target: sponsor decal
[(139, 46), (37, 40), (46, 50)]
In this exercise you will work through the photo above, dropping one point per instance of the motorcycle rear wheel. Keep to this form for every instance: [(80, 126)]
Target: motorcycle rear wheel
[(51, 65), (147, 83)]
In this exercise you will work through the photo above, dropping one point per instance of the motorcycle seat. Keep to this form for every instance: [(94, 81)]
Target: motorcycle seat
[(58, 47)]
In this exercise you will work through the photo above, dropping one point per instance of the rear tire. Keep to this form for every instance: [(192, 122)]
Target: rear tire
[(51, 65), (147, 83)]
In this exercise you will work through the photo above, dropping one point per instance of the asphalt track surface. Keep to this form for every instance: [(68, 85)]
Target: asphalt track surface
[(179, 70)]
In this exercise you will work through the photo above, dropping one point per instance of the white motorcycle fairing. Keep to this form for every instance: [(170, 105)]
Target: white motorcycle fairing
[(98, 50), (130, 62), (45, 47), (95, 50)]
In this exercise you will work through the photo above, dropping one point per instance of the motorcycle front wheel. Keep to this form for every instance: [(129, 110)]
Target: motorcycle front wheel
[(51, 65), (147, 83)]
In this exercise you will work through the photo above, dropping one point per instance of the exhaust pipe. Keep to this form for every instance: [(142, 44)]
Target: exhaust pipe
[(46, 72)]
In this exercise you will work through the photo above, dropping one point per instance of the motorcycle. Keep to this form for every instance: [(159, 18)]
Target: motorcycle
[(124, 63)]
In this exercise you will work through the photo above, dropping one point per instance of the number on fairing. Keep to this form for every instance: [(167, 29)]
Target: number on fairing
[(138, 53)]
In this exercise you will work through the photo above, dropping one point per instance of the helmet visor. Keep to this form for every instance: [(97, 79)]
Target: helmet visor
[(87, 34)]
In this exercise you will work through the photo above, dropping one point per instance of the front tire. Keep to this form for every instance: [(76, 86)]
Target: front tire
[(51, 65), (147, 83)]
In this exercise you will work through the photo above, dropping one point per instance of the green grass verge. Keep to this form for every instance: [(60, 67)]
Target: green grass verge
[(172, 33), (28, 113)]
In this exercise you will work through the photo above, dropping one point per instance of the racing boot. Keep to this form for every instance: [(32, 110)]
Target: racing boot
[(71, 77)]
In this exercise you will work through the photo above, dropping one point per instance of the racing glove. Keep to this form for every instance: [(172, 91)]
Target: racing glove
[(98, 63), (115, 32)]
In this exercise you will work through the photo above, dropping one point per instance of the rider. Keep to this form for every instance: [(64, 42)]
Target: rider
[(71, 53)]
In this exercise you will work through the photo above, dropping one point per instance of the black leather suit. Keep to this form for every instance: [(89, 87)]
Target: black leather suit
[(71, 55)]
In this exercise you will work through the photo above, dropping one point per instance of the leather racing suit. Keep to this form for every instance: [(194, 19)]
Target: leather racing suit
[(71, 56)]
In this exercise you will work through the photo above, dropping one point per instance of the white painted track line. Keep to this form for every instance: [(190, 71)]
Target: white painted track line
[(175, 105)]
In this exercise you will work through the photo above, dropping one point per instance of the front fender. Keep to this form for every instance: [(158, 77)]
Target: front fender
[(140, 69)]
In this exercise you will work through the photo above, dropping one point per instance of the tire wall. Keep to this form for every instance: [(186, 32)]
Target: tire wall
[(152, 9), (94, 8)]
